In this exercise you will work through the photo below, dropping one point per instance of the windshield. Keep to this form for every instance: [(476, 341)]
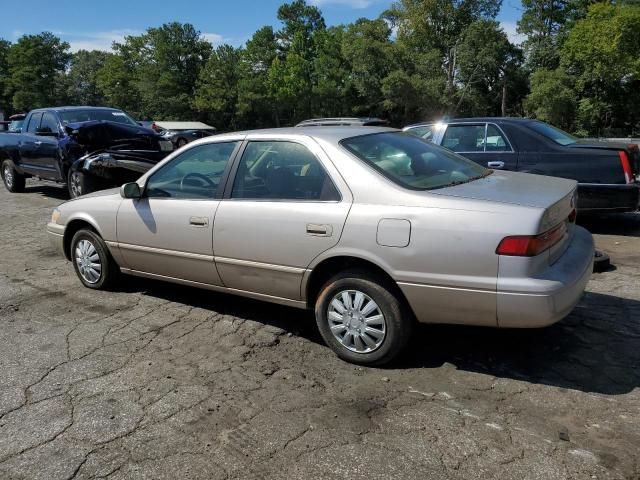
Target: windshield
[(76, 116), (413, 163), (553, 133), (15, 125)]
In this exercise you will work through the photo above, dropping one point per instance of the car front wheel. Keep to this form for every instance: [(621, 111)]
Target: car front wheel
[(80, 183), (92, 261), (13, 181), (362, 319)]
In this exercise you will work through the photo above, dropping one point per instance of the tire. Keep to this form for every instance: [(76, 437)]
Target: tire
[(601, 262), (181, 142), (85, 246), (391, 334), (13, 181), (79, 183)]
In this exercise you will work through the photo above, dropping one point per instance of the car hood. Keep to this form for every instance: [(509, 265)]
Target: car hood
[(101, 134), (100, 193), (513, 188)]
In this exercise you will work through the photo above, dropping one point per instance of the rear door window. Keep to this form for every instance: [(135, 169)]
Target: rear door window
[(281, 170), (464, 138), (496, 141)]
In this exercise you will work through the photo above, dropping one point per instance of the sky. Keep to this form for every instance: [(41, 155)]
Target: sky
[(90, 24)]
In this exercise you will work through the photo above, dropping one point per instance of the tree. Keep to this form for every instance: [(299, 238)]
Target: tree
[(423, 25), (116, 83), (82, 77), (486, 62), (300, 19), (367, 47), (164, 64), (331, 70), (255, 107), (34, 63), (601, 53), (552, 98), (217, 88), (4, 77), (541, 22)]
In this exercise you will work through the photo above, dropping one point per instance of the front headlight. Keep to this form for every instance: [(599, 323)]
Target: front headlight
[(55, 216)]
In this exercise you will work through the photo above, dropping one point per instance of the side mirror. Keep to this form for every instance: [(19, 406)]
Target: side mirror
[(46, 132), (130, 190)]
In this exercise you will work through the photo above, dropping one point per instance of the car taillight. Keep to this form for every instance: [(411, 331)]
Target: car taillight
[(531, 245), (626, 166)]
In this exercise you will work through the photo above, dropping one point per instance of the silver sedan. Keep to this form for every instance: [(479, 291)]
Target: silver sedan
[(372, 228)]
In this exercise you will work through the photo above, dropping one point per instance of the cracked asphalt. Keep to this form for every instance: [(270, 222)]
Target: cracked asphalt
[(159, 381)]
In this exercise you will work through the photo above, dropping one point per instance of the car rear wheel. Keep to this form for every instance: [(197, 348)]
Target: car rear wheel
[(13, 181), (181, 142), (92, 261), (79, 184), (362, 319)]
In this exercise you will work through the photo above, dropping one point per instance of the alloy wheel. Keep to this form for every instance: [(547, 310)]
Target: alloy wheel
[(8, 176), (356, 321), (88, 261), (74, 183)]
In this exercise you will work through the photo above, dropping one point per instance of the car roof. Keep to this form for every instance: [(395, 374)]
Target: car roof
[(343, 121), (76, 108), (475, 119), (329, 133)]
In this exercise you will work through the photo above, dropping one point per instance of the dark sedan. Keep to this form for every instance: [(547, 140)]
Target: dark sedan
[(608, 172)]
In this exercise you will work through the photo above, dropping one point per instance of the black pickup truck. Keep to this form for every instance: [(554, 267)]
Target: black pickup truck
[(608, 173), (86, 148)]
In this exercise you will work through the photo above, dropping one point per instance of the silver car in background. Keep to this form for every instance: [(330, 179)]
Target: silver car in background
[(370, 227)]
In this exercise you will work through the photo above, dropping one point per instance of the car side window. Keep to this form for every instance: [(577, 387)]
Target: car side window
[(194, 174), (424, 132), (34, 123), (464, 138), (496, 141), (281, 170), (49, 122)]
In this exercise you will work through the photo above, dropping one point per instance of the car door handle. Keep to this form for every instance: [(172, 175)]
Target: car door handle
[(319, 230), (495, 164), (37, 143), (199, 221)]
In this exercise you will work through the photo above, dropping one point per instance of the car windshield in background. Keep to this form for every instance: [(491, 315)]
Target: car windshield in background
[(553, 133), (413, 163), (76, 116), (15, 125)]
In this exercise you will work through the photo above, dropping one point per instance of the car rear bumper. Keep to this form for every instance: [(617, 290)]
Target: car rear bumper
[(55, 233), (597, 198), (548, 297)]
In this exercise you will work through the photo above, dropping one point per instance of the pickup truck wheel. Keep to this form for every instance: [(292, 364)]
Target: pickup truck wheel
[(11, 178), (92, 261), (79, 184), (361, 318)]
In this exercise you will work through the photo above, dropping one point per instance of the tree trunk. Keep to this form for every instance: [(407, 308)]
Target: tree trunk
[(504, 95)]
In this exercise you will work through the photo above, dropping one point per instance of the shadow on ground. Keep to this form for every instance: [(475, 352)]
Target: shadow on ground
[(625, 224), (595, 349), (58, 192)]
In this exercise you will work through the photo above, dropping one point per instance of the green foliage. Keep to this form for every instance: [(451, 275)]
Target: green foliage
[(578, 68), (5, 101), (34, 63), (217, 87), (601, 54), (82, 77), (552, 98)]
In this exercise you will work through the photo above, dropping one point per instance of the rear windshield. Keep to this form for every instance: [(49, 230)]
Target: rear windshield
[(75, 116), (412, 162), (553, 133), (16, 125)]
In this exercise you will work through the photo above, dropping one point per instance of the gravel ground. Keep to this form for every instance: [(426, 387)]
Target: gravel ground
[(160, 381)]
